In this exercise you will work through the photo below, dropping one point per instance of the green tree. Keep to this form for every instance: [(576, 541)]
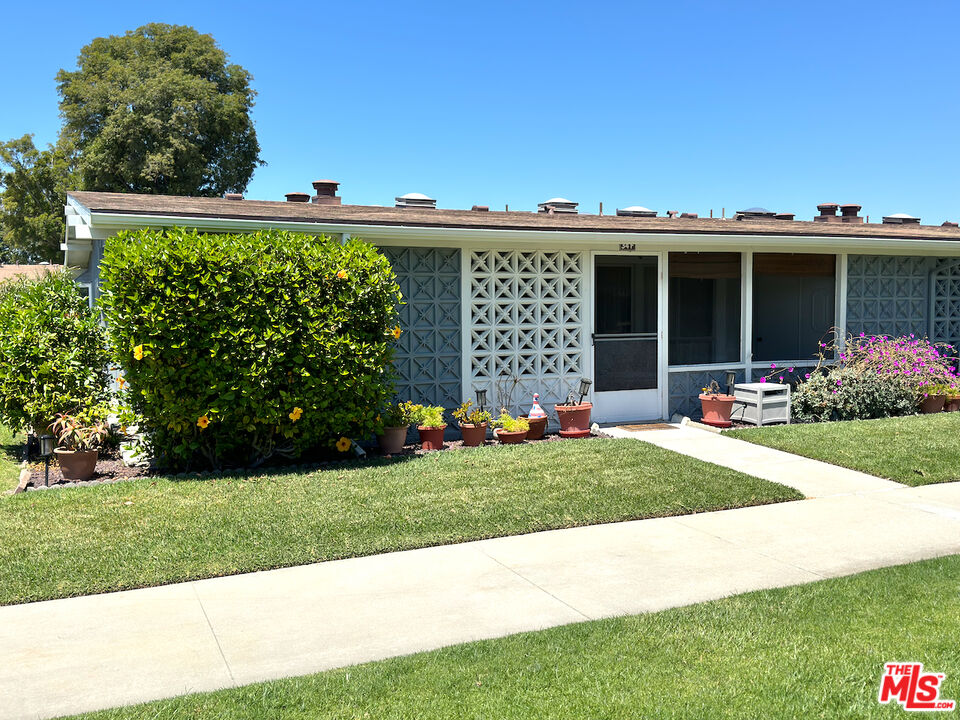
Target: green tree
[(33, 185), (159, 110)]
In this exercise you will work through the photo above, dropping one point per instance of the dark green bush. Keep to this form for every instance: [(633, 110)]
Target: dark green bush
[(850, 394), (237, 347), (53, 352)]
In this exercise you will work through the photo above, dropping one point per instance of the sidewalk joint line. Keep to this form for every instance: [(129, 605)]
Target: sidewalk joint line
[(213, 632), (541, 589)]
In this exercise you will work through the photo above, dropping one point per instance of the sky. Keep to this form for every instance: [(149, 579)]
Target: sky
[(687, 106)]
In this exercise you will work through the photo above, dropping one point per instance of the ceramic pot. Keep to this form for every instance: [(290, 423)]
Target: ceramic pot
[(473, 435), (932, 403), (717, 409), (952, 404), (431, 438), (510, 438), (538, 426), (76, 465), (574, 419), (393, 439)]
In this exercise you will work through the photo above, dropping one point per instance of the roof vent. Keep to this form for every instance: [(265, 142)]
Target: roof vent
[(297, 197), (848, 213), (828, 212), (558, 205), (949, 224), (689, 215), (755, 213), (233, 196), (481, 208), (900, 219), (785, 216), (326, 192), (416, 200), (636, 211)]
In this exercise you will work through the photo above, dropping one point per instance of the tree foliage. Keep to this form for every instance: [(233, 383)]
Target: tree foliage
[(34, 184), (236, 347), (159, 110)]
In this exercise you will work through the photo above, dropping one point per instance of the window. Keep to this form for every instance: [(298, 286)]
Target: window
[(704, 308), (793, 304)]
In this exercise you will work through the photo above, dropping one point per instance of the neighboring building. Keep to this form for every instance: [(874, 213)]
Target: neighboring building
[(651, 308), (8, 272)]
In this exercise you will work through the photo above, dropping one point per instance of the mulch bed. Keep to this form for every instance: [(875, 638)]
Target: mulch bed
[(110, 468)]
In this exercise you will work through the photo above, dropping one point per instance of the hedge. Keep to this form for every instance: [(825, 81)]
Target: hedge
[(53, 351), (237, 347)]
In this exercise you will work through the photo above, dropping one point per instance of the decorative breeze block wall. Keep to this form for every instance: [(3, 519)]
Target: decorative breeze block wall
[(888, 294), (945, 305), (428, 354), (526, 323)]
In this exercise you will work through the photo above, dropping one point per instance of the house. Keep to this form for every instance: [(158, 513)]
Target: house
[(10, 271), (650, 307)]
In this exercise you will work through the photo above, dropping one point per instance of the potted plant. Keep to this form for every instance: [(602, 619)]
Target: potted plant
[(934, 398), (574, 414), (431, 425), (473, 423), (716, 406), (953, 399), (510, 430), (396, 419), (79, 438), (537, 419)]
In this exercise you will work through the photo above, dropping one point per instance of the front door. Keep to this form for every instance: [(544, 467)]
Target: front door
[(626, 312)]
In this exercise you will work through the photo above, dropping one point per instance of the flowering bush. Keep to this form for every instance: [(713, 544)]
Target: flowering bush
[(53, 351), (845, 394), (237, 347)]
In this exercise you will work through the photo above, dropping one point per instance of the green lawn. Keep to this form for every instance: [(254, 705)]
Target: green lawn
[(11, 449), (812, 651), (916, 450), (58, 543)]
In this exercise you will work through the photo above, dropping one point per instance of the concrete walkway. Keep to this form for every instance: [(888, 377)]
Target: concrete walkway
[(811, 477), (68, 656)]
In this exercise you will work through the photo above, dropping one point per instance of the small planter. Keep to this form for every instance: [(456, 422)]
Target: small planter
[(393, 439), (538, 426), (510, 438), (717, 409), (76, 465), (574, 419), (431, 438), (933, 403), (473, 435), (952, 404)]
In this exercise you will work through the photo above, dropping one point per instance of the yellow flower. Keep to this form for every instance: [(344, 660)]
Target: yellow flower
[(397, 332), (295, 415), (202, 422), (342, 274), (138, 352), (343, 444), (121, 381)]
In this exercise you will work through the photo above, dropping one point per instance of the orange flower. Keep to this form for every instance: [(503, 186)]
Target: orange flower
[(202, 422), (342, 274), (121, 381), (138, 352), (295, 415), (343, 444), (397, 332)]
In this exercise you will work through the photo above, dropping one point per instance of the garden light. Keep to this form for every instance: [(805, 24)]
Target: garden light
[(47, 443), (731, 381), (481, 398), (584, 387)]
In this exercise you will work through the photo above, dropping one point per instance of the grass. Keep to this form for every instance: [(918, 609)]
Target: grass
[(59, 543), (915, 450), (11, 450), (812, 651)]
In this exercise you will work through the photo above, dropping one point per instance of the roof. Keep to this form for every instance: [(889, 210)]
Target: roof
[(281, 211), (7, 272)]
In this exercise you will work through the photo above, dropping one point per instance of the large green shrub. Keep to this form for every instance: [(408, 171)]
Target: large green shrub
[(239, 346), (849, 394), (53, 354)]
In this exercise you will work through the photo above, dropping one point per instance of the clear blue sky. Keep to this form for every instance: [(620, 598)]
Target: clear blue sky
[(676, 105)]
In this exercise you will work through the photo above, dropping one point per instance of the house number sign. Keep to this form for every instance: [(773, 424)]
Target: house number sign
[(628, 247)]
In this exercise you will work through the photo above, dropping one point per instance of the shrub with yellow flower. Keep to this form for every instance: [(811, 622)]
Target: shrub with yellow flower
[(397, 332), (121, 381), (342, 274), (295, 415), (202, 422), (138, 352), (343, 444)]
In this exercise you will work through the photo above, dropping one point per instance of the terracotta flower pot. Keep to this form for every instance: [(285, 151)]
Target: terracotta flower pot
[(473, 435), (393, 439), (76, 465), (431, 438), (574, 419), (952, 404), (538, 426), (510, 438), (717, 409), (932, 403)]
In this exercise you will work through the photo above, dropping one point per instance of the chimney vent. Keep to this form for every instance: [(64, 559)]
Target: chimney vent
[(785, 216), (416, 200), (900, 219), (233, 196), (949, 224), (636, 211), (326, 192), (828, 212), (848, 213), (689, 215), (481, 208), (672, 213), (297, 197), (558, 205), (755, 213)]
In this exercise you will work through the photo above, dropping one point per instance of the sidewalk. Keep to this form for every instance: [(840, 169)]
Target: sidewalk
[(68, 656)]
